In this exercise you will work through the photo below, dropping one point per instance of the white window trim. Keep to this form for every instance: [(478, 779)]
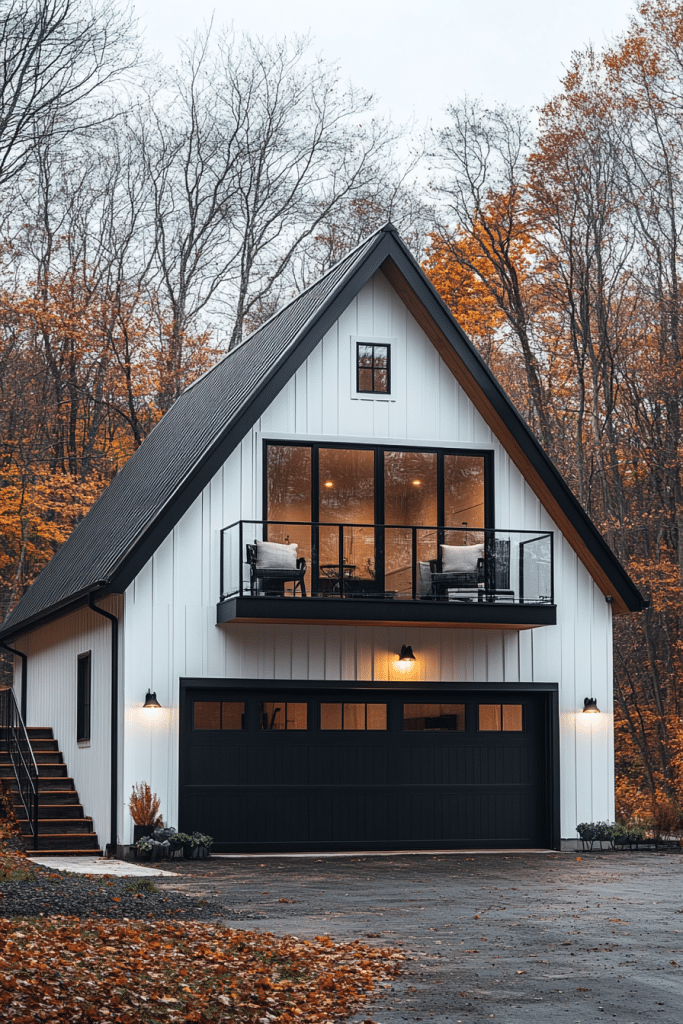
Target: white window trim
[(366, 396)]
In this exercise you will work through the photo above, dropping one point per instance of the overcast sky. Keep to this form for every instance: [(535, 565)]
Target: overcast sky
[(416, 56)]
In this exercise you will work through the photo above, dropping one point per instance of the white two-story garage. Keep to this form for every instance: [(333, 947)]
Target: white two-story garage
[(368, 605)]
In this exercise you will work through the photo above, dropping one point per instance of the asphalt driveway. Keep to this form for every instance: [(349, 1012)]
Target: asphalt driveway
[(547, 937)]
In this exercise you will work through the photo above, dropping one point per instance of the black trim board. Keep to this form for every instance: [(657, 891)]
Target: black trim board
[(361, 612), (333, 685)]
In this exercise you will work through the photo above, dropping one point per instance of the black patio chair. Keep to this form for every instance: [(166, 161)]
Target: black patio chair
[(265, 580)]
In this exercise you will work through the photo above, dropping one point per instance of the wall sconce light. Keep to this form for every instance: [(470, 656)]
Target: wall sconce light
[(590, 706), (151, 700), (406, 659)]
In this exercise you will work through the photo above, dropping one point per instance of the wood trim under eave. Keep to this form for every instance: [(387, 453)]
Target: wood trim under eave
[(501, 430)]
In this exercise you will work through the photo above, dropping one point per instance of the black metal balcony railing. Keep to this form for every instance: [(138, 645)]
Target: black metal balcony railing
[(355, 561)]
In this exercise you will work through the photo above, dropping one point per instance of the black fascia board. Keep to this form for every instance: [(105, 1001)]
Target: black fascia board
[(555, 482), (298, 351)]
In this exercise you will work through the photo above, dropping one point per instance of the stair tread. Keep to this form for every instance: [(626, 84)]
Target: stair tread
[(94, 852)]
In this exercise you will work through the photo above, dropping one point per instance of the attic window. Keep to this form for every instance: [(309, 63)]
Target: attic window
[(373, 369)]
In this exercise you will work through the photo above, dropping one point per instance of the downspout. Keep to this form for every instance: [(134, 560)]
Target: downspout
[(114, 755), (24, 675)]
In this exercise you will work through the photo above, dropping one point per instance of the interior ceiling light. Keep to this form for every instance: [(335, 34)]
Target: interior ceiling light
[(416, 483), (329, 483)]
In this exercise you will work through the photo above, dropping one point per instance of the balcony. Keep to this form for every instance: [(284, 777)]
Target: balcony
[(360, 573)]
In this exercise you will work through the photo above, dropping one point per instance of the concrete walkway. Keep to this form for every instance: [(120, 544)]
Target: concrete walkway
[(98, 866), (553, 938)]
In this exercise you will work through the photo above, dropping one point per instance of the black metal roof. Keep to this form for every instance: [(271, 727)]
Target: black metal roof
[(190, 443)]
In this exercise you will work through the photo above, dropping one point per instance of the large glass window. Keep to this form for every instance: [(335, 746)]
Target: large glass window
[(442, 494), (288, 498), (463, 497), (347, 495), (410, 499)]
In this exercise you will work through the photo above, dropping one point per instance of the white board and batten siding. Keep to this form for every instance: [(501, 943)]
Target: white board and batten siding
[(51, 693), (170, 626)]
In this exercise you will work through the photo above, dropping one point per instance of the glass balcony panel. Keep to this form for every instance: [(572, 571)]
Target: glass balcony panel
[(385, 562)]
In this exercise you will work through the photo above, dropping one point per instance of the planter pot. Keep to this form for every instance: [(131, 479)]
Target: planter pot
[(199, 853), (140, 831)]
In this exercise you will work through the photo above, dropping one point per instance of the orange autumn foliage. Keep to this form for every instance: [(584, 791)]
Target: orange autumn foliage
[(82, 366)]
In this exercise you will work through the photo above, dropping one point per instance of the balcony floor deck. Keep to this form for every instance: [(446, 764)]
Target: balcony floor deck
[(364, 612)]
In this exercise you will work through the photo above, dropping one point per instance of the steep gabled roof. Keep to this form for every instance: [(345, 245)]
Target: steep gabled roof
[(190, 443)]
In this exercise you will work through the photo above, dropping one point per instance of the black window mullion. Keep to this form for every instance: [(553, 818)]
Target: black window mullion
[(440, 502), (379, 519), (315, 517)]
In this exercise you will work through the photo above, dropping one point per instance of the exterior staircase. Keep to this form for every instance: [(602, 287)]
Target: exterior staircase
[(63, 829)]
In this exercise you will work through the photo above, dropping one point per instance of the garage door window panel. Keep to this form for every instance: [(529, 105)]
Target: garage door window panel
[(218, 715), (434, 717), (282, 716), (501, 718), (353, 717)]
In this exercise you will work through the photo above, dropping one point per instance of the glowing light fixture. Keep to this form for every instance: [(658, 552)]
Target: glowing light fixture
[(329, 483), (151, 700), (406, 659), (416, 483), (590, 706)]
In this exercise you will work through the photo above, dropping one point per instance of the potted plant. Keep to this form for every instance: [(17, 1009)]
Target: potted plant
[(143, 847), (196, 845), (595, 832), (201, 845), (628, 835), (144, 809)]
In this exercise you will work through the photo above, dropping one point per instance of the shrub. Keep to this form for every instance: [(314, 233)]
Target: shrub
[(144, 805)]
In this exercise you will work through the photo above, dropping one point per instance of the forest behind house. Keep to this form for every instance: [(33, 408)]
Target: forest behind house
[(152, 217)]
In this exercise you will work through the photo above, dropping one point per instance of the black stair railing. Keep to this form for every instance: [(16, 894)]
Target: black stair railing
[(14, 739)]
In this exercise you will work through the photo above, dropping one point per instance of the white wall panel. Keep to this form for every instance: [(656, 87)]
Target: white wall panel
[(428, 407)]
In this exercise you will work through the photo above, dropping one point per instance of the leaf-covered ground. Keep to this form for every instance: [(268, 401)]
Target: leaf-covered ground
[(59, 968), (65, 969)]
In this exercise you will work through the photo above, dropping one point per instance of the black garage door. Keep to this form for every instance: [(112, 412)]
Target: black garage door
[(371, 769)]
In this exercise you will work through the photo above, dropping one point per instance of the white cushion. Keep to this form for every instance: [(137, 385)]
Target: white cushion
[(461, 557), (275, 556)]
